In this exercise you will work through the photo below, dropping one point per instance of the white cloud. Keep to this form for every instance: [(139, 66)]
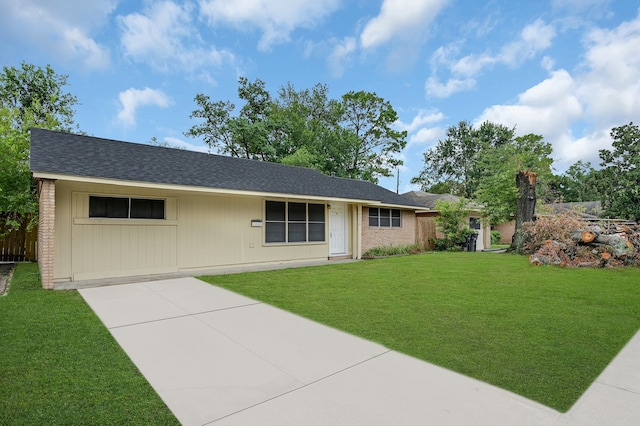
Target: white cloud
[(418, 128), (179, 143), (439, 90), (424, 116), (400, 18), (547, 108), (427, 135), (340, 55), (165, 37), (277, 19), (533, 39), (611, 86), (132, 99), (604, 92), (62, 29)]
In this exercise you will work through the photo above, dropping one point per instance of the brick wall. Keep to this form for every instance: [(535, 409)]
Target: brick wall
[(47, 214), (374, 237), (506, 230)]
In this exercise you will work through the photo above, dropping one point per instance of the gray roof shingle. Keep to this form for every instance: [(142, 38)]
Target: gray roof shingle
[(86, 156)]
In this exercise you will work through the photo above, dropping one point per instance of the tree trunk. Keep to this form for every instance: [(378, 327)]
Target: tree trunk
[(525, 206), (583, 236)]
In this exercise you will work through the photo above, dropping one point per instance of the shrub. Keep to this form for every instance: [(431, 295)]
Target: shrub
[(496, 237), (391, 250), (452, 221)]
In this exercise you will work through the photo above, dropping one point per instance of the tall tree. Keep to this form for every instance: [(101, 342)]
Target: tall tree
[(576, 184), (369, 135), (245, 135), (497, 190), (351, 137), (38, 96), (30, 96), (618, 180), (310, 125), (453, 164)]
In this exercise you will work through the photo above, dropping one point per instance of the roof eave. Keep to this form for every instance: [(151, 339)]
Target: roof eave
[(210, 190)]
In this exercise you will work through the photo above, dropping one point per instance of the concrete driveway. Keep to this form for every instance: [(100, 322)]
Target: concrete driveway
[(216, 357)]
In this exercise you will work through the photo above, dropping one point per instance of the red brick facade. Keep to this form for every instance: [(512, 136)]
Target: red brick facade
[(375, 237), (46, 222)]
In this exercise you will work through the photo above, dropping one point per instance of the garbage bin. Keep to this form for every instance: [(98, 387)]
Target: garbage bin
[(473, 239), (470, 242)]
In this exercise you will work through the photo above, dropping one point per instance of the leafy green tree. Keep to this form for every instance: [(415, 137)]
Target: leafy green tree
[(453, 165), (371, 140), (246, 135), (310, 125), (351, 137), (497, 191), (30, 96), (452, 222), (38, 96), (576, 184), (618, 180)]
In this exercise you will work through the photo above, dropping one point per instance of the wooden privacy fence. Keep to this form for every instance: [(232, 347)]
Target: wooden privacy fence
[(19, 245), (425, 229)]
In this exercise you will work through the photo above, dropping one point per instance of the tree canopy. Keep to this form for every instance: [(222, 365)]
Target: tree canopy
[(38, 97), (497, 189), (618, 180), (576, 184), (453, 166), (30, 96), (482, 163), (349, 137)]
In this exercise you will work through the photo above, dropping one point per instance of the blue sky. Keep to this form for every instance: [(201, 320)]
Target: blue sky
[(568, 70)]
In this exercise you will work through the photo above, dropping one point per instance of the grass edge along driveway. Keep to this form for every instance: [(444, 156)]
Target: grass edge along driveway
[(59, 365), (545, 333)]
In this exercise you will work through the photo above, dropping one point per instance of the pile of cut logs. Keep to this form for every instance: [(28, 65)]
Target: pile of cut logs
[(593, 247)]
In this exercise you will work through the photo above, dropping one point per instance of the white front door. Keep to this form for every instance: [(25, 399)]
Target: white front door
[(338, 229)]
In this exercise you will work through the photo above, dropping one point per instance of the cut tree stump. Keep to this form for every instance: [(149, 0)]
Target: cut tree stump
[(583, 236)]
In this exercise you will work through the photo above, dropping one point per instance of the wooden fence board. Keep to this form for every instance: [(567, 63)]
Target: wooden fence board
[(19, 245)]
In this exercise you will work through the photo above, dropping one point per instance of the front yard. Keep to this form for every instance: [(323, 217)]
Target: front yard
[(543, 332), (60, 366)]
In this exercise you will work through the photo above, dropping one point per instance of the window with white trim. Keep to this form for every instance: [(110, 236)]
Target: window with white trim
[(294, 222), (126, 208), (384, 218)]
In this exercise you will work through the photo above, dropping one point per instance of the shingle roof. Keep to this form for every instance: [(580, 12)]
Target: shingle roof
[(91, 157), (428, 200)]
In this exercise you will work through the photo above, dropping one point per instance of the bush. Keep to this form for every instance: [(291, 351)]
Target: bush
[(496, 237), (452, 221), (391, 250)]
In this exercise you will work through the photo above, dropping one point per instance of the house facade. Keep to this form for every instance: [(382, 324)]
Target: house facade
[(112, 209), (425, 223)]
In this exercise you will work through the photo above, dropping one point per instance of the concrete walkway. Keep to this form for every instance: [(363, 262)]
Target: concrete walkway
[(219, 358)]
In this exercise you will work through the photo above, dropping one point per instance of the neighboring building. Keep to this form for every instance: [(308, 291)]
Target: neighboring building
[(425, 225), (111, 209)]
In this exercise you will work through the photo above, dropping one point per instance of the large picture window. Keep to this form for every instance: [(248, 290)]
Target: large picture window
[(126, 208), (294, 222), (384, 218)]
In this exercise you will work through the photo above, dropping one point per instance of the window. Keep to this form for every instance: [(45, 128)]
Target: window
[(125, 208), (289, 222), (384, 218)]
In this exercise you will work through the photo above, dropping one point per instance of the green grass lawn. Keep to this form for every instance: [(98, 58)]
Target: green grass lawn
[(543, 332), (60, 366)]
